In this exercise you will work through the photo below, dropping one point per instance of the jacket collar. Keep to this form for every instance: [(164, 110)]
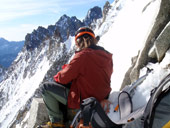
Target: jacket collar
[(95, 47)]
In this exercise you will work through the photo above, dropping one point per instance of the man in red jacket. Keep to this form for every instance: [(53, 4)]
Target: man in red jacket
[(89, 73)]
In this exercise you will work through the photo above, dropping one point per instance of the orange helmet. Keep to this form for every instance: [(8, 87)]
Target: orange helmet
[(84, 30)]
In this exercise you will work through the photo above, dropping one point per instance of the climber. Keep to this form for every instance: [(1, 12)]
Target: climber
[(87, 75)]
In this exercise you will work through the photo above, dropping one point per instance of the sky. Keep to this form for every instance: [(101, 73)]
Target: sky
[(19, 17)]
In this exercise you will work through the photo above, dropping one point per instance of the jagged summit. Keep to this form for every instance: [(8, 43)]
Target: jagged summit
[(93, 14), (34, 39), (66, 26)]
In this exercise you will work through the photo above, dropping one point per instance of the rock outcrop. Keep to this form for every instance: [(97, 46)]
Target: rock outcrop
[(161, 44), (106, 8), (92, 15), (38, 113), (157, 34)]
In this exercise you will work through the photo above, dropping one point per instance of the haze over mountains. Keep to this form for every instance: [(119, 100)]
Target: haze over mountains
[(9, 51)]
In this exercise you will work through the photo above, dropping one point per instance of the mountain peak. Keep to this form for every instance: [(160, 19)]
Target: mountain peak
[(93, 14), (3, 40), (63, 19), (66, 26)]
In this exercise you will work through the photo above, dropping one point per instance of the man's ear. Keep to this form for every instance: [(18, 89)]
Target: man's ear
[(97, 39)]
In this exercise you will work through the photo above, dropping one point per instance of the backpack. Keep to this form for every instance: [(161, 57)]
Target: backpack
[(156, 114), (93, 115)]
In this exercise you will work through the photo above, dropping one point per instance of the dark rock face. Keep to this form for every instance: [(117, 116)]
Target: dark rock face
[(67, 26), (106, 8), (161, 44), (34, 39), (92, 15)]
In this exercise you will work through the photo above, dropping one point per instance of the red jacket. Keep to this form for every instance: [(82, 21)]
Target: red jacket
[(90, 73)]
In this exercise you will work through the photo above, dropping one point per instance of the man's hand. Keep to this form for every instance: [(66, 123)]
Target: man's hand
[(105, 105)]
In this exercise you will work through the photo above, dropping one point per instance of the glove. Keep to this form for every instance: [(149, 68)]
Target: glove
[(65, 65), (56, 76)]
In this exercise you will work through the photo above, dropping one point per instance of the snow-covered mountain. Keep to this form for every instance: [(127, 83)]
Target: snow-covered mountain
[(9, 51), (128, 28)]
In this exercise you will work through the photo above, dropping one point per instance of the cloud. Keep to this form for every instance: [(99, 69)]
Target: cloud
[(17, 33), (11, 9), (77, 2)]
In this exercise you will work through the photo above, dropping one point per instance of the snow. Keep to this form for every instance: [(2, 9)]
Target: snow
[(124, 33), (70, 43)]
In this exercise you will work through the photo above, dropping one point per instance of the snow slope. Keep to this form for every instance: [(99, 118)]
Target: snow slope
[(127, 34), (18, 91)]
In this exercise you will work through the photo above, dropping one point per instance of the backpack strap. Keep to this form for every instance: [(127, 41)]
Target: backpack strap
[(125, 104), (87, 106), (86, 113), (76, 120), (93, 113), (104, 117)]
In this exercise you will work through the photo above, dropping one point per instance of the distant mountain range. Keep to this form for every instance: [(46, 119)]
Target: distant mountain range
[(9, 51)]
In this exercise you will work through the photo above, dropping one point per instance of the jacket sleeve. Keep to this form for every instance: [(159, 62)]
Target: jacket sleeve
[(71, 71)]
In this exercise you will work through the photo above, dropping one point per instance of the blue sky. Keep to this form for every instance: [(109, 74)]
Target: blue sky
[(19, 17)]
